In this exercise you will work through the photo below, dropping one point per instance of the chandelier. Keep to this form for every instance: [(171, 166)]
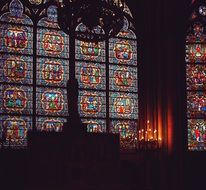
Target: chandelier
[(102, 18)]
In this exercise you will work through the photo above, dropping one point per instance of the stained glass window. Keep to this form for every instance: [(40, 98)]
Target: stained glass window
[(34, 70), (196, 80), (16, 67), (52, 73), (123, 95)]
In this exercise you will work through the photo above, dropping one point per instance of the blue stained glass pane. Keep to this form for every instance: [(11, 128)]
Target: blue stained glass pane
[(16, 69), (52, 43), (123, 78), (14, 130), (52, 101), (95, 125), (50, 123), (16, 14), (127, 131), (52, 72), (123, 51), (123, 105), (91, 75), (197, 134), (196, 104), (51, 20), (92, 104), (16, 39), (82, 28), (91, 51), (16, 99)]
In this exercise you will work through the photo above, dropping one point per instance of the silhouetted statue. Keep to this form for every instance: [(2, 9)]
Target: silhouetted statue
[(73, 124)]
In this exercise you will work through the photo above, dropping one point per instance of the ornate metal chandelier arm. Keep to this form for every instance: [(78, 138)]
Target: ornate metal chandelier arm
[(107, 14)]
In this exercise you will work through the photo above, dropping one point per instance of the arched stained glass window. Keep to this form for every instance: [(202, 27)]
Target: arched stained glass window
[(34, 69), (91, 75), (16, 63), (123, 97), (52, 66), (196, 78)]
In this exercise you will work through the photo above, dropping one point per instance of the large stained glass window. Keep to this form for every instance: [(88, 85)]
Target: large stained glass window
[(34, 70), (196, 79)]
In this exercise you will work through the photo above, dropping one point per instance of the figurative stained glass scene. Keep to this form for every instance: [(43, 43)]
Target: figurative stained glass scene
[(16, 69), (196, 81), (35, 66)]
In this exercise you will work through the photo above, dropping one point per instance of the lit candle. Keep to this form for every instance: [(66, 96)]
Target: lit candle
[(160, 142), (155, 134), (148, 128), (139, 135)]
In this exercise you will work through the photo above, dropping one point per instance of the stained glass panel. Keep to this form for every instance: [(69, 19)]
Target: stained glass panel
[(196, 34), (51, 101), (123, 51), (16, 14), (91, 51), (197, 134), (202, 10), (16, 69), (196, 104), (36, 2), (123, 105), (95, 125), (92, 104), (50, 123), (123, 78), (16, 39), (196, 81), (127, 131), (16, 99), (91, 75), (51, 20), (126, 34), (196, 77), (14, 130), (81, 28), (52, 43), (196, 53), (52, 72)]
